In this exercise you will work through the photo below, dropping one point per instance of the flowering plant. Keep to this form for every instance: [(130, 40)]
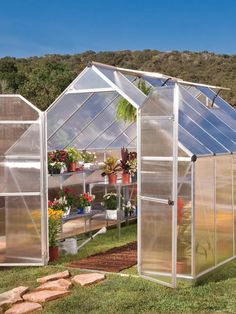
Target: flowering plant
[(58, 204), (132, 163), (85, 199), (88, 156), (57, 159), (54, 224), (110, 201), (69, 195)]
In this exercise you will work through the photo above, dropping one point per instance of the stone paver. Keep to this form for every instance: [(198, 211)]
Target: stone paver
[(12, 296), (63, 274), (88, 279), (24, 308), (56, 285), (44, 295)]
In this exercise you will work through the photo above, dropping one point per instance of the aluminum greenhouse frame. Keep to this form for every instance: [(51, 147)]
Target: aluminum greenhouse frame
[(186, 139), (23, 185)]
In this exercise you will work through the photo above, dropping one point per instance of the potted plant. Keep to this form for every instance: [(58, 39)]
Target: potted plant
[(183, 242), (54, 225), (88, 158), (110, 168), (84, 203), (110, 204), (68, 199), (56, 161), (73, 156)]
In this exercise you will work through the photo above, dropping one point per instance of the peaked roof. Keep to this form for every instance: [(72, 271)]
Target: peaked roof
[(84, 114)]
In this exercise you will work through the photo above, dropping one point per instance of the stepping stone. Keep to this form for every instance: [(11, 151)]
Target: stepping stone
[(12, 296), (63, 274), (88, 279), (24, 308), (56, 285), (44, 295)]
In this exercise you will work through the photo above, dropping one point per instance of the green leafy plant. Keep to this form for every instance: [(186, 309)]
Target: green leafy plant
[(127, 112), (73, 155), (110, 201), (111, 166), (88, 156)]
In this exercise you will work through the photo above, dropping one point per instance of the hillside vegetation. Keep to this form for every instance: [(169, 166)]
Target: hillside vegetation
[(42, 79)]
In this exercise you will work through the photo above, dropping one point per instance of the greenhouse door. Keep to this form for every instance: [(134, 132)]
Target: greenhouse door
[(23, 186), (157, 132)]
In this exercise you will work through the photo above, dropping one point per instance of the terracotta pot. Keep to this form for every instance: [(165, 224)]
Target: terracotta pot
[(126, 178), (53, 253), (112, 178), (180, 210), (72, 167), (181, 267)]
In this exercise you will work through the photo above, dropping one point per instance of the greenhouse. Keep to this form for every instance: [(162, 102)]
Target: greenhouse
[(185, 140)]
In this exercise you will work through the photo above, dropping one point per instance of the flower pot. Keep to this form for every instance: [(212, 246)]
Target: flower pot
[(180, 209), (112, 178), (181, 267), (112, 214), (53, 253), (80, 210), (134, 178), (72, 167), (52, 170), (67, 212), (125, 178), (87, 209)]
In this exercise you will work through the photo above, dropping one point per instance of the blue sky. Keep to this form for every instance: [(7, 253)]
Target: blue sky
[(38, 27)]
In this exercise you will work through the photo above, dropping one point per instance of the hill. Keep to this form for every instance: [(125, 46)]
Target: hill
[(42, 79)]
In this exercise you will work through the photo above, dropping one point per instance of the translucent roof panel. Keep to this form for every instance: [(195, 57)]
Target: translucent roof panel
[(221, 103), (203, 116), (124, 86)]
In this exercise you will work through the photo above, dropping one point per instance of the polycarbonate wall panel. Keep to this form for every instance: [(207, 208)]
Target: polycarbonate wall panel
[(156, 239), (184, 218), (156, 137), (15, 108), (204, 214), (65, 107), (20, 176), (159, 103), (10, 134), (88, 116), (124, 85), (90, 80), (28, 144), (156, 179), (23, 229), (224, 208)]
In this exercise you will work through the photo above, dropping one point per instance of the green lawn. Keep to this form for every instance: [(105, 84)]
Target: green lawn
[(216, 294)]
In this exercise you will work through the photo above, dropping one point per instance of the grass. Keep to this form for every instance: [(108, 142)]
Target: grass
[(216, 293)]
